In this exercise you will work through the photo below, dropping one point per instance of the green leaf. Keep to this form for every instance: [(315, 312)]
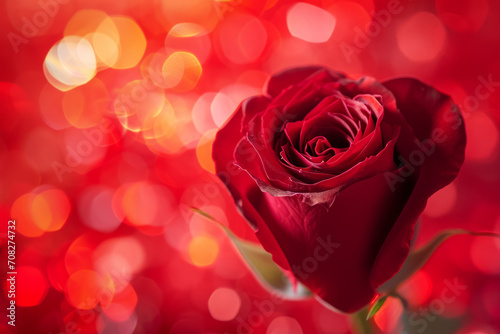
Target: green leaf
[(419, 257), (261, 264), (376, 307)]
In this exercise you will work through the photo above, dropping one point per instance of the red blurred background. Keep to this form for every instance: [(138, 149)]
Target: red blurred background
[(109, 110)]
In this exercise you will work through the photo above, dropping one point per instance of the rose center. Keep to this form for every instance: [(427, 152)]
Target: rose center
[(329, 129)]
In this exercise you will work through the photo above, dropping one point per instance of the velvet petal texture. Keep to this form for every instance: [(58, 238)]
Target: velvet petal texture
[(438, 126), (239, 183)]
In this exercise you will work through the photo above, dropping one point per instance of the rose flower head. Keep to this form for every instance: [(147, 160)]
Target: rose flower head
[(332, 174)]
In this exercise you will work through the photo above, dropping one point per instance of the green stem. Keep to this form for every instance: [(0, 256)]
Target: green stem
[(362, 325)]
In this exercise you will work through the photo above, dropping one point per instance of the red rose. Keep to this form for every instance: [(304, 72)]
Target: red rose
[(332, 173)]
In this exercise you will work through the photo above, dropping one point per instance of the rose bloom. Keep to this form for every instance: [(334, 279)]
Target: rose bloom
[(333, 173)]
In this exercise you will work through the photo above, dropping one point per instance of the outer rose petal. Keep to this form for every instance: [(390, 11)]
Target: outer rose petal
[(357, 224), (238, 182), (437, 122), (434, 118)]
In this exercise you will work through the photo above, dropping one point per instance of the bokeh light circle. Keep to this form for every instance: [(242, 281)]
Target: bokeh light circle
[(144, 204), (204, 151), (127, 36), (181, 71), (45, 209), (121, 258), (224, 304), (86, 289), (70, 62), (310, 23), (284, 325), (422, 37), (203, 250)]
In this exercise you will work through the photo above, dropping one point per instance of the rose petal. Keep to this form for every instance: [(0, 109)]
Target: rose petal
[(238, 182), (369, 85), (435, 119), (428, 113), (292, 131), (354, 227)]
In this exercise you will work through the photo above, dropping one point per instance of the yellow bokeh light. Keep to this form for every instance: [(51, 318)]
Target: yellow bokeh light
[(106, 49), (203, 251), (70, 63), (181, 71), (138, 104), (99, 29), (127, 37), (186, 29), (164, 124), (174, 129), (189, 37), (55, 82), (84, 22)]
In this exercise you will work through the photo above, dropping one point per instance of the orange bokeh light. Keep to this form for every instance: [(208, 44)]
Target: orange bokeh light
[(204, 151), (45, 209), (86, 289), (181, 71), (143, 204), (138, 104), (84, 22), (203, 250), (128, 38)]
